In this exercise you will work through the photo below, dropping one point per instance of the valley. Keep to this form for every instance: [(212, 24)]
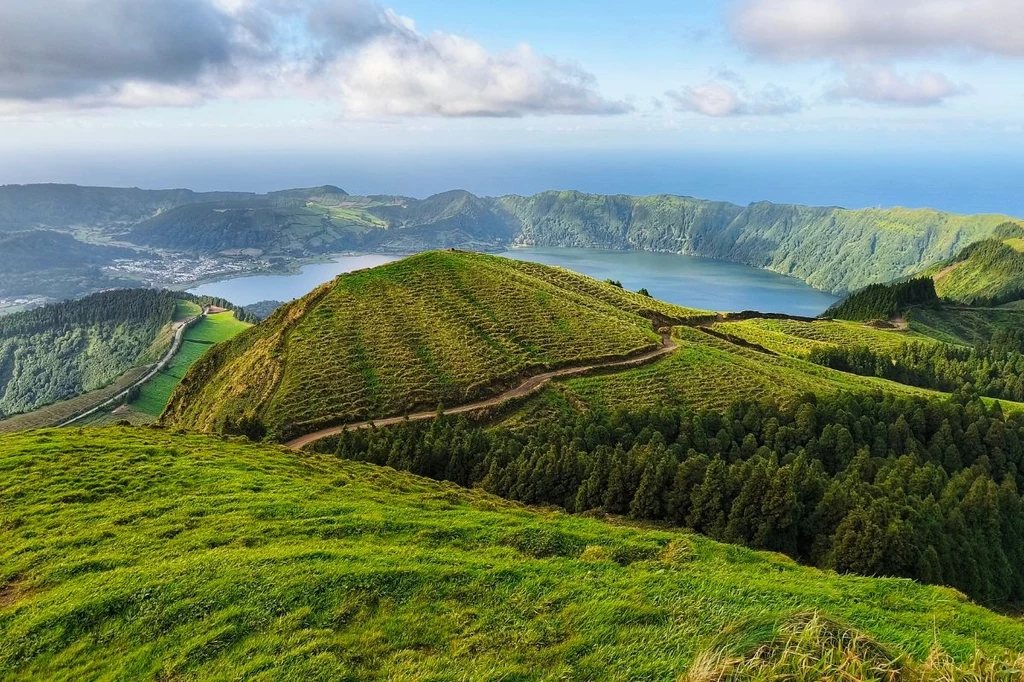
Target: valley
[(647, 342), (833, 479), (179, 238)]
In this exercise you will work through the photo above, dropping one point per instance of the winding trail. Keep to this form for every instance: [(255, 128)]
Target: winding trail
[(179, 336), (527, 387)]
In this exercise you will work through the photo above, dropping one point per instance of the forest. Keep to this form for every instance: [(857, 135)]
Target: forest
[(994, 368), (870, 484), (884, 301), (62, 350)]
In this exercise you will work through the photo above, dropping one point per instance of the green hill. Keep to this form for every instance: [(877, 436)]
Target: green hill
[(133, 554), (59, 351), (705, 372), (56, 265), (885, 301), (988, 272), (437, 328), (31, 206), (834, 249)]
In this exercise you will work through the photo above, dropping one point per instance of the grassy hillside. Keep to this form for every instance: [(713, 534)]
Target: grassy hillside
[(211, 330), (706, 372), (988, 272), (834, 249), (132, 554), (437, 328), (967, 326), (60, 351), (798, 339)]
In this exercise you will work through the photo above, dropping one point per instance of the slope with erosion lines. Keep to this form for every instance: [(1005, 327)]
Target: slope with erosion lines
[(705, 372), (797, 338), (529, 386), (440, 328)]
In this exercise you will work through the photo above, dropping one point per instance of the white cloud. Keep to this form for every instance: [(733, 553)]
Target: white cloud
[(139, 53), (874, 30), (863, 38), (880, 85), (448, 75), (722, 100)]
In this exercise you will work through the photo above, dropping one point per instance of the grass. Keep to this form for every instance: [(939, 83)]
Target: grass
[(137, 554), (967, 326), (986, 271), (437, 328), (185, 309), (198, 339), (798, 339), (1015, 243), (705, 372), (810, 647)]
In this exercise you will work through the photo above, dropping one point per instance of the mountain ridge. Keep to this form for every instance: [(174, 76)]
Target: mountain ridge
[(831, 248)]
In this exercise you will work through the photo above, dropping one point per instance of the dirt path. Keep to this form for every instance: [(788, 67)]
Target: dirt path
[(179, 336), (528, 386)]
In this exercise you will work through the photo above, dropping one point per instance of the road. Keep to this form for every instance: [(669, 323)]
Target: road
[(179, 337), (528, 386)]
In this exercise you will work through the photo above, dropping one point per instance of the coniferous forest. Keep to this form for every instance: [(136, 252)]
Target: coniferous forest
[(994, 368), (871, 484), (62, 350)]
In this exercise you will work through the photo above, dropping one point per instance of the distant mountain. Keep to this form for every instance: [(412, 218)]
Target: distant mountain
[(833, 249), (29, 206), (55, 264)]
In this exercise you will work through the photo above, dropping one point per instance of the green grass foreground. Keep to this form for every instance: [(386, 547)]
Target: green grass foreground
[(132, 554)]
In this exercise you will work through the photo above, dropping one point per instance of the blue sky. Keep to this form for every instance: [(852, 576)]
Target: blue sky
[(116, 77)]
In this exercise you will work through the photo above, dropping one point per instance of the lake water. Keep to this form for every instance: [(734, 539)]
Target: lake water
[(683, 280), (689, 281), (255, 288)]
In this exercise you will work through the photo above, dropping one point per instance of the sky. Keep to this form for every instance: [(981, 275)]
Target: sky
[(88, 87)]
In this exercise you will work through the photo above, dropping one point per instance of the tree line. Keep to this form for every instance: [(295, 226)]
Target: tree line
[(109, 306), (884, 301), (872, 484), (60, 351), (994, 368)]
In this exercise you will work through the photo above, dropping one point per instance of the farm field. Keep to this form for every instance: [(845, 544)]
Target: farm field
[(190, 557), (436, 328), (798, 339)]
